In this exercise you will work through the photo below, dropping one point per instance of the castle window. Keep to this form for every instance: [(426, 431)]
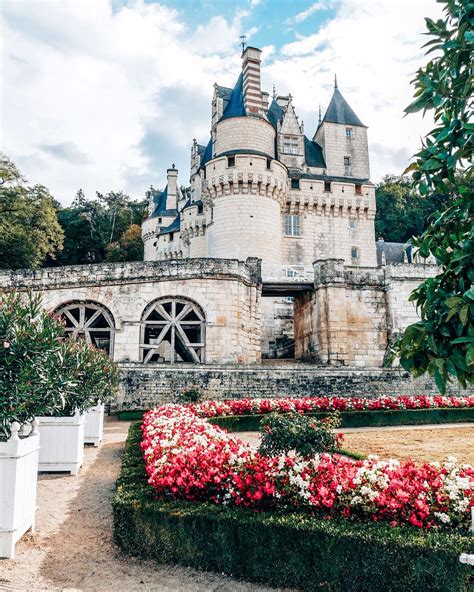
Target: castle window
[(349, 133), (204, 173), (89, 321), (290, 146), (269, 164), (292, 225), (200, 208), (358, 189), (172, 330), (347, 164), (354, 253), (352, 223), (327, 186), (295, 183), (159, 220), (171, 237), (231, 161)]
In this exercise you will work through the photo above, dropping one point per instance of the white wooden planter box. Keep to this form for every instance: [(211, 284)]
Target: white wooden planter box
[(62, 443), (94, 427), (18, 477)]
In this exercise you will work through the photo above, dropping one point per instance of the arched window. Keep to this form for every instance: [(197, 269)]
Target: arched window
[(172, 330), (91, 321)]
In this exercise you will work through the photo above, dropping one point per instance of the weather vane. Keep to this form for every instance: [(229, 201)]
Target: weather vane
[(242, 42)]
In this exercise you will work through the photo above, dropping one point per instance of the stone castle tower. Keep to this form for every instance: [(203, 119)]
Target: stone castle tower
[(261, 188)]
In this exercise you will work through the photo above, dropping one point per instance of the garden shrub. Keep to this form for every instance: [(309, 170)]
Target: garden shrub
[(304, 434), (286, 550)]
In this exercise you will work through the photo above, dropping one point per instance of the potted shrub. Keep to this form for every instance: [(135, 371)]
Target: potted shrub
[(101, 383), (30, 385), (92, 379)]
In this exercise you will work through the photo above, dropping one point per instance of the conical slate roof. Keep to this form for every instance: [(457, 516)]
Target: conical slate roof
[(340, 112)]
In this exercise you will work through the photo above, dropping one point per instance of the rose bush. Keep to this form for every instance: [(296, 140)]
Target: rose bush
[(188, 458)]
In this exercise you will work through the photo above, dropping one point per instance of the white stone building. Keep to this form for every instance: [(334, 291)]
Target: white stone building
[(262, 188), (271, 253)]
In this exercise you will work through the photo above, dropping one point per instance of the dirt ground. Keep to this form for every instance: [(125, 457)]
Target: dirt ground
[(72, 547), (418, 444)]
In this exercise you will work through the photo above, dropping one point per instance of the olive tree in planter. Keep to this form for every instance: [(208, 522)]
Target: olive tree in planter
[(93, 378), (30, 385)]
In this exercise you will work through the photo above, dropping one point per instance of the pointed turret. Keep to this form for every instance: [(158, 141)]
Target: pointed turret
[(339, 110), (343, 138)]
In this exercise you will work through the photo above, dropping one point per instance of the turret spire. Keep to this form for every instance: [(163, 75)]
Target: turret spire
[(320, 118), (335, 81)]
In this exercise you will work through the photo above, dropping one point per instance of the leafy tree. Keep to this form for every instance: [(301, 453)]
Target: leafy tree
[(29, 228), (129, 247), (94, 229), (442, 342), (402, 212)]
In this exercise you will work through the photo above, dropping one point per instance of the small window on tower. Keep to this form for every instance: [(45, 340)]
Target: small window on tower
[(352, 223), (269, 164), (358, 189), (159, 220), (327, 186), (354, 253), (349, 133), (171, 237), (292, 225), (231, 161), (347, 164), (295, 183)]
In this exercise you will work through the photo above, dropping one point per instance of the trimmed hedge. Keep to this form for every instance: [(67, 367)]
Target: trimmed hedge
[(294, 550), (350, 419)]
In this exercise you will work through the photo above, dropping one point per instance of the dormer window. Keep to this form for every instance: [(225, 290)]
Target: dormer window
[(349, 133), (290, 145), (231, 161)]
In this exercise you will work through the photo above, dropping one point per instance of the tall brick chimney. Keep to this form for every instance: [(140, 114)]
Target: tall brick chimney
[(172, 194), (252, 92)]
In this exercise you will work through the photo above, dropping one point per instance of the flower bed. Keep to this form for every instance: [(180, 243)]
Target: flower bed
[(311, 404), (283, 549), (188, 458)]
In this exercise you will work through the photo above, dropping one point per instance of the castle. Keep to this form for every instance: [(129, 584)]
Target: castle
[(271, 252)]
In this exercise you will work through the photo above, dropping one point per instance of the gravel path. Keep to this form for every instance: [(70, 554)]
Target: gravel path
[(72, 548)]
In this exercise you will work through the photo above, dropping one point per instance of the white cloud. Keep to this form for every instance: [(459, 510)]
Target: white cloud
[(374, 47), (105, 96), (85, 88), (304, 14)]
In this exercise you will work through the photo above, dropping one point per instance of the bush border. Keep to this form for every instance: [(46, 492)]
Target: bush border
[(293, 550), (350, 419)]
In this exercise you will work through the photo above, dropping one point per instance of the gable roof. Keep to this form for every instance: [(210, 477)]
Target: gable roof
[(340, 112), (313, 154)]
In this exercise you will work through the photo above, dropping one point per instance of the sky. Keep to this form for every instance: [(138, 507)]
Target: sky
[(105, 95)]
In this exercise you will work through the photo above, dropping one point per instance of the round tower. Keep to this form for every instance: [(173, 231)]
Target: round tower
[(244, 186)]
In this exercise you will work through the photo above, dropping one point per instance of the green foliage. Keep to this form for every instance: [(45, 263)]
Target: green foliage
[(189, 395), (29, 228), (402, 212), (304, 434), (41, 371), (442, 343), (285, 550), (31, 382), (104, 229), (93, 376)]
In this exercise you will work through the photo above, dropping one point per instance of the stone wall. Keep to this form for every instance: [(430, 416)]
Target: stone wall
[(146, 386), (336, 146), (244, 133), (228, 292)]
